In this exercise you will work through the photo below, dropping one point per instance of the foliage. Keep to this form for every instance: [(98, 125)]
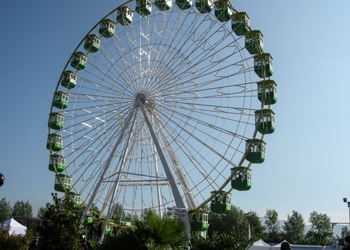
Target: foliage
[(220, 241), (273, 231), (14, 242), (118, 212), (60, 227), (226, 231), (5, 210), (41, 212), (321, 229), (153, 232), (256, 228), (294, 228), (22, 209)]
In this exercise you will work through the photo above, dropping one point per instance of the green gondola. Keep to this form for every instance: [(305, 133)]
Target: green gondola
[(63, 183), (265, 121), (78, 60), (92, 43), (124, 15), (60, 100), (223, 11), (57, 163), (240, 23), (56, 120), (254, 42), (68, 79), (204, 6), (88, 221), (263, 65), (106, 28), (54, 142), (183, 4), (267, 92), (221, 203), (163, 5), (144, 7), (242, 178), (199, 222), (76, 199), (256, 150)]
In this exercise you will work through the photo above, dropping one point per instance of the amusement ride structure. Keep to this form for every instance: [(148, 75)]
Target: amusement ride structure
[(163, 105)]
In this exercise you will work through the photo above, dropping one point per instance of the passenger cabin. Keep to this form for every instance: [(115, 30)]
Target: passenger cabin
[(88, 220), (124, 15), (68, 79), (267, 92), (54, 142), (63, 183), (92, 43), (240, 23), (254, 42), (199, 222), (265, 121), (263, 65), (256, 150), (144, 7), (78, 60), (221, 203), (56, 120), (163, 5), (242, 178), (76, 199), (60, 100), (106, 28), (223, 11), (204, 6), (57, 163), (183, 4)]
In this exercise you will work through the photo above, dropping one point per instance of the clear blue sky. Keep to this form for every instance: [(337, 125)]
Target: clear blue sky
[(306, 168)]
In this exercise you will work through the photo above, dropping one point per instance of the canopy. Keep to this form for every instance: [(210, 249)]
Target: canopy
[(13, 227), (260, 245)]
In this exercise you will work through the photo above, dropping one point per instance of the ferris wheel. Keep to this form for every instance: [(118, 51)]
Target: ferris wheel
[(163, 105)]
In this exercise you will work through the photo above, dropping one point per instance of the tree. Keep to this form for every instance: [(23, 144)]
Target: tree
[(5, 210), (272, 226), (294, 228), (41, 212), (60, 227), (151, 232), (22, 209), (226, 231), (256, 228), (321, 229), (118, 212)]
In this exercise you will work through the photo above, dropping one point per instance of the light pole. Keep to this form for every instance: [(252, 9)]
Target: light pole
[(348, 202)]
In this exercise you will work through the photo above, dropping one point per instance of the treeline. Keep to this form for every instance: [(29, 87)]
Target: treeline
[(237, 229)]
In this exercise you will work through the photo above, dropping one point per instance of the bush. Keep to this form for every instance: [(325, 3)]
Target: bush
[(14, 242)]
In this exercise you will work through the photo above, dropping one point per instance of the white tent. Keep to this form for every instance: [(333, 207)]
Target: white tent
[(260, 245), (13, 227)]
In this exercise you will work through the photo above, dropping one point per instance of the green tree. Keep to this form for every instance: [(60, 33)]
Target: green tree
[(118, 212), (5, 210), (60, 227), (41, 212), (226, 231), (221, 241), (22, 209), (294, 228), (321, 229), (151, 232), (256, 228), (272, 226)]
